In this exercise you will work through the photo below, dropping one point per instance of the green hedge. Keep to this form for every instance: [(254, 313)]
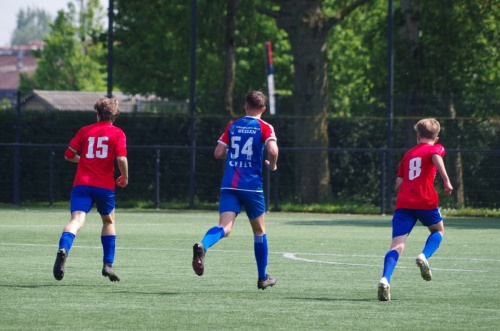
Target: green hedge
[(355, 173)]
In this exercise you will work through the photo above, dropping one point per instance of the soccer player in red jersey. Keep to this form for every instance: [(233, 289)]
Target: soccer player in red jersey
[(417, 199), (242, 145), (94, 148)]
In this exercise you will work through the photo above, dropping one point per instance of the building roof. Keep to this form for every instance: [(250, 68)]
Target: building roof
[(84, 101), (74, 100)]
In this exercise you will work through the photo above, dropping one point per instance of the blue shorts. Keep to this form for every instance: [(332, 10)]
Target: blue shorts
[(404, 219), (83, 198), (233, 200)]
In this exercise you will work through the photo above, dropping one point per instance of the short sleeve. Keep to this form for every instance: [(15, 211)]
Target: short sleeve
[(438, 149), (121, 144), (224, 138)]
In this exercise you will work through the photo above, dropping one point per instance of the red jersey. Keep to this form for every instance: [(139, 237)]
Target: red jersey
[(417, 190), (98, 144)]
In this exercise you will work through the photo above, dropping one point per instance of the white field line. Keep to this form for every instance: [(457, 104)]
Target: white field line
[(291, 256)]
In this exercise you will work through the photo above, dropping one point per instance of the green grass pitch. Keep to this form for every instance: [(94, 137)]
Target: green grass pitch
[(327, 268)]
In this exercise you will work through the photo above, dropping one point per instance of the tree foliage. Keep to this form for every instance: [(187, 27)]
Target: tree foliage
[(72, 58), (32, 24), (152, 50), (357, 57), (461, 41), (151, 54)]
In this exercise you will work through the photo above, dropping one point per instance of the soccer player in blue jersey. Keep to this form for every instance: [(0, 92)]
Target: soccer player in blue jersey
[(242, 145)]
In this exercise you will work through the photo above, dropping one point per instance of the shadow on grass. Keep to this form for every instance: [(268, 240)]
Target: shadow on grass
[(146, 293), (47, 285), (333, 299), (459, 223), (90, 286), (342, 223)]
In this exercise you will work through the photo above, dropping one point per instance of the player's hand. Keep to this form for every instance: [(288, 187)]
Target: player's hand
[(268, 165), (448, 188), (122, 181)]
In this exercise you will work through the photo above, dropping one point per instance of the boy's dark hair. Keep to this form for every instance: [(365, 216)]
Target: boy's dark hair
[(256, 99), (107, 109)]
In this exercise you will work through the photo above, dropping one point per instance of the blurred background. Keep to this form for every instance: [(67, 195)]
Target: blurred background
[(346, 79)]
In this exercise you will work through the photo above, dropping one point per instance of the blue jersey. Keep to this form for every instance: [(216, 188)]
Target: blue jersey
[(245, 139)]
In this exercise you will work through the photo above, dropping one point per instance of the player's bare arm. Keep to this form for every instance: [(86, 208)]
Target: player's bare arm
[(439, 163), (272, 154), (220, 151), (399, 181), (122, 162), (71, 155)]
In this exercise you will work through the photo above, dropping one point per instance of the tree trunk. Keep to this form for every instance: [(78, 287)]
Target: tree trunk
[(308, 31), (412, 63), (230, 57), (308, 35), (459, 186)]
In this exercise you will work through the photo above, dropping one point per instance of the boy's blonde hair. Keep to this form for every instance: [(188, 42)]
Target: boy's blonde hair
[(107, 109), (428, 128)]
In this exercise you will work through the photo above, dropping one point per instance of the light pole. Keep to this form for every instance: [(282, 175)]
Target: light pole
[(390, 102), (110, 49)]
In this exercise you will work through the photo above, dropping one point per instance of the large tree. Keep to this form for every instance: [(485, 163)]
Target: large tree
[(308, 27)]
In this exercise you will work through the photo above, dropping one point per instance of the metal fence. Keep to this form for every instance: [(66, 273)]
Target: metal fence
[(357, 176)]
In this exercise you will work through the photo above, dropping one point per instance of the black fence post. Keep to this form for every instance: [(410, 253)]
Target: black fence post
[(110, 48), (51, 176), (276, 189), (16, 179), (157, 178), (192, 106), (390, 100), (382, 181), (268, 186)]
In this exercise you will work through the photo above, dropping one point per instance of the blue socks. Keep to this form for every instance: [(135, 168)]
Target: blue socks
[(212, 236), (66, 241), (216, 233), (392, 256), (390, 261), (108, 246), (432, 244), (261, 252)]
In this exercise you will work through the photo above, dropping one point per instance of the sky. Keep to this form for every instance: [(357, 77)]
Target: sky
[(10, 8)]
